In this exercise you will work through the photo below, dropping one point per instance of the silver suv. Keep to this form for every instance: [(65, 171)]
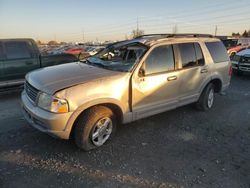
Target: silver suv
[(126, 81)]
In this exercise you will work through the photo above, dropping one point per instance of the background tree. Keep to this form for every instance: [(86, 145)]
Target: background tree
[(52, 42), (236, 34), (245, 34), (137, 33), (63, 43), (39, 42), (248, 33)]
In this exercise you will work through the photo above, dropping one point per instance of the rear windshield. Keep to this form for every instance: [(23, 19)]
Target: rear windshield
[(17, 50), (217, 51)]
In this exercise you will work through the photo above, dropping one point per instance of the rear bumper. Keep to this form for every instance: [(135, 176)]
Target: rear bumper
[(47, 122)]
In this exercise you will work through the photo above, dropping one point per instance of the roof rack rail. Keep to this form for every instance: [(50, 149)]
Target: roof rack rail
[(167, 35)]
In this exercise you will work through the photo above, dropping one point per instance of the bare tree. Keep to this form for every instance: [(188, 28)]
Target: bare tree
[(52, 42), (236, 34), (245, 34), (137, 33), (39, 42)]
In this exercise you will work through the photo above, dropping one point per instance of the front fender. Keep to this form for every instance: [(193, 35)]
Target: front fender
[(89, 104)]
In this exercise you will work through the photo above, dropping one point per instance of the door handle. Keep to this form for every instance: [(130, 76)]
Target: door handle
[(204, 70), (172, 78)]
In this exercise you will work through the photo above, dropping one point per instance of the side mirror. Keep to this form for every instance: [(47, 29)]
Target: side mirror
[(141, 72)]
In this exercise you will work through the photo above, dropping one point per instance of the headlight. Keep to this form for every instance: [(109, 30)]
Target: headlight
[(52, 104)]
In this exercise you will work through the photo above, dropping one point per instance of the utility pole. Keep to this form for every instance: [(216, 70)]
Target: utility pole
[(216, 30), (175, 29), (137, 27), (83, 36)]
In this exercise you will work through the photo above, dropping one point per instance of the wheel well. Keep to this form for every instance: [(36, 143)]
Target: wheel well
[(115, 108), (217, 85)]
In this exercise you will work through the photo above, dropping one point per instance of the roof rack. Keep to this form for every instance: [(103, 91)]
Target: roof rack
[(167, 35)]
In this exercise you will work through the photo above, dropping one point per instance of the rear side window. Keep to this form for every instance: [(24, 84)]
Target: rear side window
[(187, 53), (217, 51), (161, 59), (17, 50)]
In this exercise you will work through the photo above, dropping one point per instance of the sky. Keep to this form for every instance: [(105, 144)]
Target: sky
[(101, 20)]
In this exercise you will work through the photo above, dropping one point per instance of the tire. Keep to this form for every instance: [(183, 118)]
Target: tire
[(204, 103), (90, 124)]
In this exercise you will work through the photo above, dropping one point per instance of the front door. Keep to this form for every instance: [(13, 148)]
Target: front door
[(155, 85), (20, 60)]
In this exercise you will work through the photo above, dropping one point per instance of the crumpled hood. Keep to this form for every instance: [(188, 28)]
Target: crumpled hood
[(55, 78)]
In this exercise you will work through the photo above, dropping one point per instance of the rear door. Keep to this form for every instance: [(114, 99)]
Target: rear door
[(193, 71), (20, 59)]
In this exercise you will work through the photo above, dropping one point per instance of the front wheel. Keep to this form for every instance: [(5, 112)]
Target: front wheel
[(206, 100), (94, 127)]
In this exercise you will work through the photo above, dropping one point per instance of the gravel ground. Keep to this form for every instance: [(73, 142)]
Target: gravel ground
[(179, 148)]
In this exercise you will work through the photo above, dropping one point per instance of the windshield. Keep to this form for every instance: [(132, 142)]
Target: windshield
[(118, 58)]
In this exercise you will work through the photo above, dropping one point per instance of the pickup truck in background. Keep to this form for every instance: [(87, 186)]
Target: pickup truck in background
[(20, 56)]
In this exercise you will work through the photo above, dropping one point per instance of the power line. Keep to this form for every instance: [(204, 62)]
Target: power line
[(197, 23)]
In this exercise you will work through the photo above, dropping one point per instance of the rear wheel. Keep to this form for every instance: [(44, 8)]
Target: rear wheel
[(206, 100), (94, 127)]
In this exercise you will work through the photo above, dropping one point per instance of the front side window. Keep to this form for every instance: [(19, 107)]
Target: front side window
[(217, 51), (161, 59), (17, 50)]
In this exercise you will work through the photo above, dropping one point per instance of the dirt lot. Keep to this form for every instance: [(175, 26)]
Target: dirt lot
[(180, 148)]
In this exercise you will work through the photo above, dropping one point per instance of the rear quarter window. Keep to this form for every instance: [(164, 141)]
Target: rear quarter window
[(17, 50), (217, 51)]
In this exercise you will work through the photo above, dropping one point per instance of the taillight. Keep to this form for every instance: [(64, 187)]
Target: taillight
[(230, 70)]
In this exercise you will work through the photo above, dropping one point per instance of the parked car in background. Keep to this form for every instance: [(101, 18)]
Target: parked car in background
[(232, 51), (74, 51), (20, 56), (145, 76), (242, 44), (94, 50), (229, 42), (241, 62)]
